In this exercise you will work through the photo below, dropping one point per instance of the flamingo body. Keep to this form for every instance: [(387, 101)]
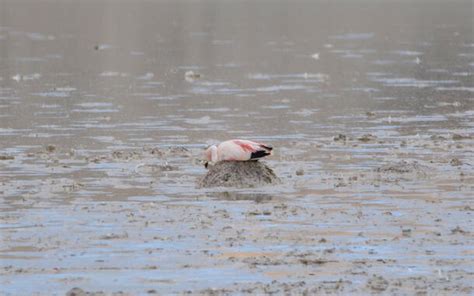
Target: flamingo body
[(237, 150)]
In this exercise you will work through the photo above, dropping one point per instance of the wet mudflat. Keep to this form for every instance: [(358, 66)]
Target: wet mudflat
[(105, 109)]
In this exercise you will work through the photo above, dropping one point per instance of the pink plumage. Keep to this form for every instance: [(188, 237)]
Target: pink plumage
[(237, 150)]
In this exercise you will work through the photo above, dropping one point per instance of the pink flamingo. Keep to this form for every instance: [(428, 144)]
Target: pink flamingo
[(236, 150)]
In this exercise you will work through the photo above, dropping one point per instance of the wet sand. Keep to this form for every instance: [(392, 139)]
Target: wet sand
[(102, 126)]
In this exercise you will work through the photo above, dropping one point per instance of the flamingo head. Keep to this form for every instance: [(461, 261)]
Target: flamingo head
[(210, 155)]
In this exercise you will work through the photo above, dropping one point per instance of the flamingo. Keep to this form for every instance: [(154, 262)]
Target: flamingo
[(236, 150)]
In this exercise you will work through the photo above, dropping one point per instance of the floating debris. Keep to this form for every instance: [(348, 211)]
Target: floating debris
[(50, 148), (370, 114), (258, 213), (146, 76), (406, 232), (377, 283), (457, 137), (6, 157), (17, 77), (437, 138), (455, 162), (340, 137), (125, 154), (27, 77), (367, 138), (114, 236), (102, 46), (314, 261), (190, 76), (459, 230)]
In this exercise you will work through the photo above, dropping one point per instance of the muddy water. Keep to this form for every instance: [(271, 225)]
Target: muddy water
[(370, 109)]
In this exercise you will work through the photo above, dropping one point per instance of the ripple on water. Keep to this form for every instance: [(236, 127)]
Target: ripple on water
[(113, 74), (146, 76), (205, 120), (26, 77), (320, 77), (352, 53), (165, 98), (463, 74), (466, 54), (30, 59), (13, 131), (220, 110), (95, 107), (407, 53), (94, 104), (353, 36), (278, 88), (460, 88), (53, 94), (65, 89), (411, 82), (383, 62), (411, 119)]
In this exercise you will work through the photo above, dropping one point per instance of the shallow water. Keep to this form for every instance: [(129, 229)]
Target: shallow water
[(101, 131)]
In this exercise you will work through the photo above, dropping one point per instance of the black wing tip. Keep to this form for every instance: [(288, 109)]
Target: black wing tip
[(259, 154), (270, 148)]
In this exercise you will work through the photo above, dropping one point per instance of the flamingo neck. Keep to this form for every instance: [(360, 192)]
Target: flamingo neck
[(214, 156)]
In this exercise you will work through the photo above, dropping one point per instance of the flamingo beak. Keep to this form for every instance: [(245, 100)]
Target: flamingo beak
[(206, 164)]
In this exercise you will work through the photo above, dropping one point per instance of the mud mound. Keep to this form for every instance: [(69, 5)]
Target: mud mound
[(403, 170), (403, 167), (79, 292), (238, 174)]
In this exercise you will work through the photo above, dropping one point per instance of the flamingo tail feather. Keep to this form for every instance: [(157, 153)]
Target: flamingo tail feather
[(259, 154)]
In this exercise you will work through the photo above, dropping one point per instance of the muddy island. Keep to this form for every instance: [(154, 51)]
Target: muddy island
[(240, 174)]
